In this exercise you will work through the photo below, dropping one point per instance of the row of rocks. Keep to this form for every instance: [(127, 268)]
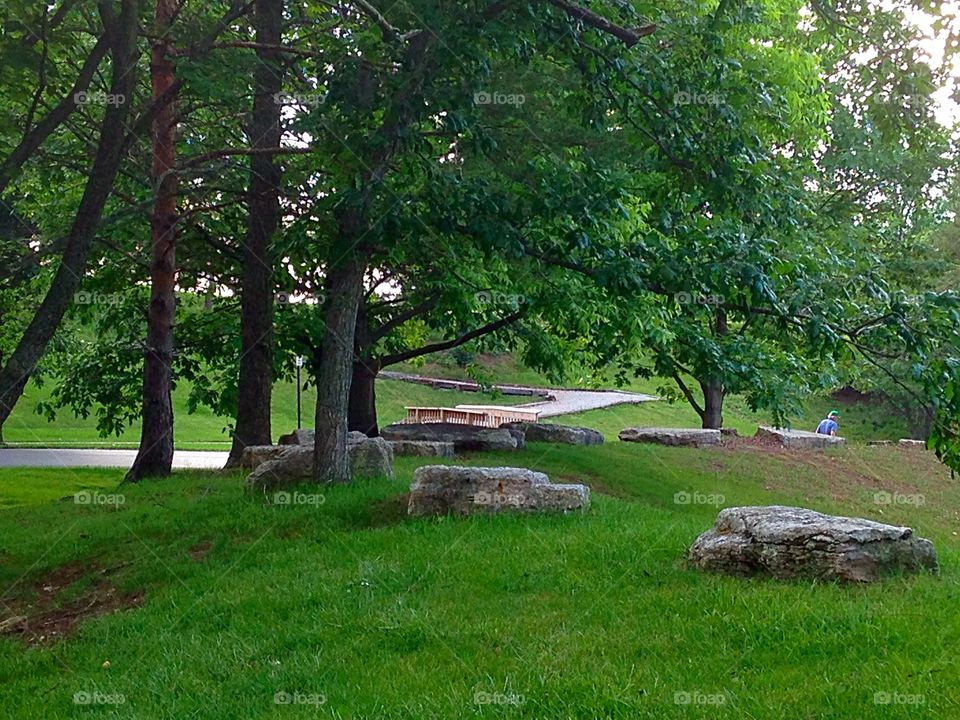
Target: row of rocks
[(698, 437), (783, 542)]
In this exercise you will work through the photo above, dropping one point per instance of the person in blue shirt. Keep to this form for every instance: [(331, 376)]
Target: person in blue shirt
[(830, 424)]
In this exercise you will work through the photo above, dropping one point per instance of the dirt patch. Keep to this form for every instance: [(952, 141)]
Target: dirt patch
[(198, 553), (45, 619)]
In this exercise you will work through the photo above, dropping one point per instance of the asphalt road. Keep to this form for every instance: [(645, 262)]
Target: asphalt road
[(58, 457)]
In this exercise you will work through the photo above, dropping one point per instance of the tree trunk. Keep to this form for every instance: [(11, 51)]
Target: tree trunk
[(363, 399), (155, 456), (712, 405), (255, 385), (713, 390), (343, 289), (23, 360)]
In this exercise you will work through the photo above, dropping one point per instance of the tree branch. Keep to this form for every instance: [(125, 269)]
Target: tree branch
[(395, 358)]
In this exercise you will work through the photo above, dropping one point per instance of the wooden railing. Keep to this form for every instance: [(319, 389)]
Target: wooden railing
[(491, 416)]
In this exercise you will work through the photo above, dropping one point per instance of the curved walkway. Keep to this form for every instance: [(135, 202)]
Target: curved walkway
[(558, 401)]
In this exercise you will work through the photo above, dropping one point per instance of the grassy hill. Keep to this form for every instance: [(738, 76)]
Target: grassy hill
[(224, 605)]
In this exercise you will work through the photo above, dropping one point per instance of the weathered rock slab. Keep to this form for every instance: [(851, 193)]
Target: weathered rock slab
[(442, 489), (799, 438), (288, 465), (907, 442), (464, 437), (551, 433), (421, 448), (788, 542), (692, 437)]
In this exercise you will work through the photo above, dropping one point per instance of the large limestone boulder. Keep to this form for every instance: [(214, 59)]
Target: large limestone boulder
[(255, 455), (788, 542), (692, 437), (550, 433), (421, 448), (464, 437), (293, 464), (801, 439), (440, 489)]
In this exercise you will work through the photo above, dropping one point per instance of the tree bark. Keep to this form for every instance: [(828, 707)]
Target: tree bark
[(362, 410), (23, 360), (712, 405), (343, 289), (713, 390), (155, 456), (255, 384)]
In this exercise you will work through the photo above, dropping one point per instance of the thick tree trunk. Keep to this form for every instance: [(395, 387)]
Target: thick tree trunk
[(343, 289), (33, 343), (155, 456), (363, 399), (712, 405), (255, 385)]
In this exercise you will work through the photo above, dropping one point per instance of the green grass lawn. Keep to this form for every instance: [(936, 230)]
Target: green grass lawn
[(203, 430), (350, 610)]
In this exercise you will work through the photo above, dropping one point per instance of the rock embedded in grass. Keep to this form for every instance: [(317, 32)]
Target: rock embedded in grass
[(800, 439), (464, 437), (690, 437), (293, 464), (789, 542), (421, 448), (442, 489), (561, 434)]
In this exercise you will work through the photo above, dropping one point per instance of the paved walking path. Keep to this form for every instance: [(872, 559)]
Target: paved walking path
[(59, 457), (558, 401)]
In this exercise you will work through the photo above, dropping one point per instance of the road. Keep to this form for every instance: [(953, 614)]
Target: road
[(56, 457)]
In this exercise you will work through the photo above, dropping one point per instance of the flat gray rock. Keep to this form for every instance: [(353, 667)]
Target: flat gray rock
[(906, 442), (421, 448), (799, 438), (284, 466), (464, 437), (788, 542), (442, 489), (692, 437), (550, 433)]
